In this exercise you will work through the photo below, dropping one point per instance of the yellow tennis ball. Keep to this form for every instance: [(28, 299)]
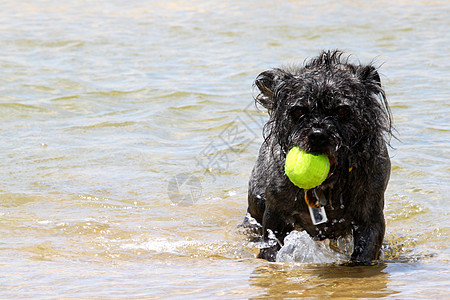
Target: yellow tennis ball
[(306, 170)]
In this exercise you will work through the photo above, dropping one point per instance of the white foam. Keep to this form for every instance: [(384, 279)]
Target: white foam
[(44, 222), (160, 245), (299, 247)]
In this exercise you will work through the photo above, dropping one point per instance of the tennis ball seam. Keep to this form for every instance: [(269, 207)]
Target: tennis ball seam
[(324, 174), (298, 158)]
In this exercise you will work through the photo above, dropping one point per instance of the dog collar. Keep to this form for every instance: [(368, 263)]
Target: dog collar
[(315, 198)]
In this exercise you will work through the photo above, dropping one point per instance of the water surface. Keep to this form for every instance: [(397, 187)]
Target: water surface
[(128, 136)]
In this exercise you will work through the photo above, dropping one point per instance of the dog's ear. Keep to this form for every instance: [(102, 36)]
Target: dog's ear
[(370, 77), (268, 82)]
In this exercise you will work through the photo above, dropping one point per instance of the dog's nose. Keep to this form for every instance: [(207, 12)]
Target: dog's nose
[(317, 140), (317, 135)]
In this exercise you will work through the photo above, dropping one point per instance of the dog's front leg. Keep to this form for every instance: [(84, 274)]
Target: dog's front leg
[(368, 239), (274, 231)]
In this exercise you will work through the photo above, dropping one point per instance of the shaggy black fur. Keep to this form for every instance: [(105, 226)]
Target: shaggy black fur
[(327, 106)]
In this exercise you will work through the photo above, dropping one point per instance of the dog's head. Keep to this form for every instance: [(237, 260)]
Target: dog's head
[(328, 106)]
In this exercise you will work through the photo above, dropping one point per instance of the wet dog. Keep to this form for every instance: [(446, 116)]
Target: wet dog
[(334, 107)]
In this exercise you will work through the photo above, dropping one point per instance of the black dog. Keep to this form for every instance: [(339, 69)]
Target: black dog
[(334, 107)]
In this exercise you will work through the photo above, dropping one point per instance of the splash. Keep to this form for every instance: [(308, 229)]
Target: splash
[(299, 247)]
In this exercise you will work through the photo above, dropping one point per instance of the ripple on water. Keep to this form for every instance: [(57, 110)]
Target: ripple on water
[(15, 109)]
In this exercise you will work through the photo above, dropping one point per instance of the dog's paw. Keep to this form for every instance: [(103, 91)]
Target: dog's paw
[(269, 254)]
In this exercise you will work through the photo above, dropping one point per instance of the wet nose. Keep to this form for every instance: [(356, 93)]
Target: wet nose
[(317, 135), (317, 140)]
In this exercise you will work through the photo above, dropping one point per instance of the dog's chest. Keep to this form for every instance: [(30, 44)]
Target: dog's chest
[(338, 222)]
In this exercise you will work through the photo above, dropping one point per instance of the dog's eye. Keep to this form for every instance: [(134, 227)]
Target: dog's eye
[(298, 111), (342, 111)]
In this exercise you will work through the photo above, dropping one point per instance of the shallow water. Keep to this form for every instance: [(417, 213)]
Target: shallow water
[(128, 136)]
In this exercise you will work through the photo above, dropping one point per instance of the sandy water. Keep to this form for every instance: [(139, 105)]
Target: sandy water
[(128, 135)]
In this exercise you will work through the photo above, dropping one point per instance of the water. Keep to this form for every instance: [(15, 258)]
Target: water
[(128, 136)]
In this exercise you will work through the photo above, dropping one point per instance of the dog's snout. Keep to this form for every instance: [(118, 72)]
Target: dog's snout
[(316, 135), (317, 141)]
